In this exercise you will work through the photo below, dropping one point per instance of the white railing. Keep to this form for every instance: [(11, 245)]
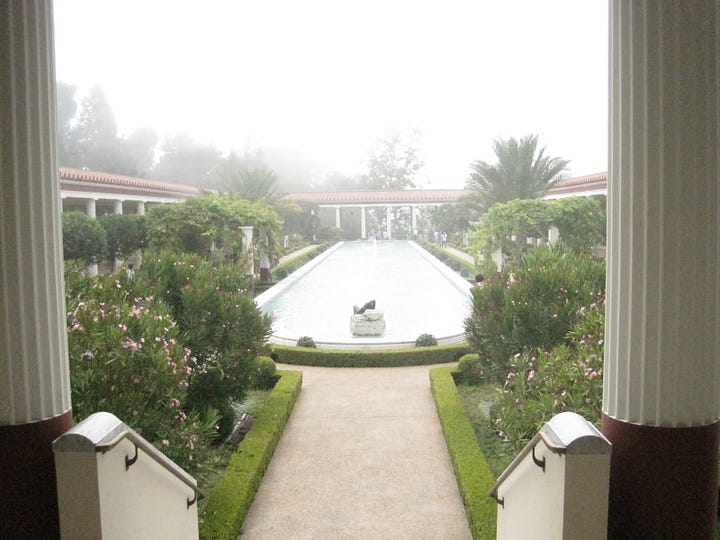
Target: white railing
[(557, 486), (113, 484)]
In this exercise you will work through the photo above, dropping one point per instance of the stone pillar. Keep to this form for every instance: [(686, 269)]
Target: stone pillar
[(34, 376), (413, 220), (91, 208), (363, 223), (248, 250), (118, 207), (553, 235), (264, 256), (660, 403), (141, 208), (338, 223), (388, 222)]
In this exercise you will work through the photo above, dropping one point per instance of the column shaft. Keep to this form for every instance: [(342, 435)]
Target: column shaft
[(662, 289), (34, 375)]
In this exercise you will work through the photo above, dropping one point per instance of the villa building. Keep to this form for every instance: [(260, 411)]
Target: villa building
[(661, 402)]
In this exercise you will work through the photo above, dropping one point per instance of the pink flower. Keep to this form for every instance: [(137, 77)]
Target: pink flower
[(166, 442), (174, 403), (531, 374)]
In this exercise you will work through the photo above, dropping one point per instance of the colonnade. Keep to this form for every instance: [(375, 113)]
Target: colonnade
[(414, 212), (661, 398)]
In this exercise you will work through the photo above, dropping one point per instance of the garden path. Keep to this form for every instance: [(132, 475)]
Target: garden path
[(363, 456)]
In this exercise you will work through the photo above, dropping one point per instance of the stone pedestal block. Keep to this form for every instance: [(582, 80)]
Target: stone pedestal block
[(370, 323)]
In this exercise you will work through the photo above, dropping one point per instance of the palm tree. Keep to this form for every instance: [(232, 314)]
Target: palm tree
[(521, 172)]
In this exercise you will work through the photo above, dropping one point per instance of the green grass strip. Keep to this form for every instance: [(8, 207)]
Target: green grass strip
[(472, 471), (230, 502), (409, 356)]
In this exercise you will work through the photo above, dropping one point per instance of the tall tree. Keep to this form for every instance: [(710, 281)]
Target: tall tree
[(250, 183), (183, 161), (521, 172), (66, 109), (393, 162), (95, 133)]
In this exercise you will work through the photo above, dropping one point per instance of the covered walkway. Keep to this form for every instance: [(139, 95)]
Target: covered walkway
[(362, 456)]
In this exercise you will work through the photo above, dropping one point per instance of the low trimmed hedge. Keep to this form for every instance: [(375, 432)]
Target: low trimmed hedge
[(474, 476), (230, 502), (461, 266), (283, 270), (410, 356)]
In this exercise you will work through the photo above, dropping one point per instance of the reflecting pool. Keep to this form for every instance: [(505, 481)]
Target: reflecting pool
[(416, 292)]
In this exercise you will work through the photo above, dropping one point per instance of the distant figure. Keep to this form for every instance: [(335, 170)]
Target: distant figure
[(360, 311), (130, 272), (479, 280)]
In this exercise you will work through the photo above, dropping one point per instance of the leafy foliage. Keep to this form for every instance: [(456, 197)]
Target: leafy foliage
[(202, 224), (426, 340), (126, 358), (306, 341), (126, 233), (393, 163), (83, 237), (534, 304), (580, 220), (542, 383), (521, 172), (218, 321)]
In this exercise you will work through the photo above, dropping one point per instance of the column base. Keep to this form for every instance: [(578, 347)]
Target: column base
[(27, 477), (663, 480)]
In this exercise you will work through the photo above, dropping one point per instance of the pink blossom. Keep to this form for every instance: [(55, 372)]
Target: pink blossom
[(174, 403)]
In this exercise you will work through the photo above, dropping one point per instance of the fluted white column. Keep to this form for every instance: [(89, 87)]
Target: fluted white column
[(660, 401), (363, 222), (118, 207), (141, 208), (91, 208), (34, 377), (337, 217), (388, 222), (248, 250)]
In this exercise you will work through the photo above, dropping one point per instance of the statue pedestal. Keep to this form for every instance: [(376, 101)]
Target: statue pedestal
[(370, 323)]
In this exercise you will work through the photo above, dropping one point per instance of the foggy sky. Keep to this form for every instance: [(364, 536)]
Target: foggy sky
[(326, 79)]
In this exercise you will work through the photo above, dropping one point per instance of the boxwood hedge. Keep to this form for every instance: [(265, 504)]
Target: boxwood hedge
[(228, 505), (410, 356), (474, 476)]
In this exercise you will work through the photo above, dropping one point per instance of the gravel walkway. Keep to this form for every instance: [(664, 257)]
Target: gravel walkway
[(362, 457)]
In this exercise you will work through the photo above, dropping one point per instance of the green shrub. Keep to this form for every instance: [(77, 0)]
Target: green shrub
[(533, 305), (218, 321), (410, 356), (426, 340), (306, 341), (230, 502), (264, 376), (126, 233), (541, 384), (474, 476), (281, 271), (83, 237), (126, 358), (470, 369)]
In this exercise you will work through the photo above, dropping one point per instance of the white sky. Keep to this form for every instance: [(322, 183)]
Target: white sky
[(328, 78)]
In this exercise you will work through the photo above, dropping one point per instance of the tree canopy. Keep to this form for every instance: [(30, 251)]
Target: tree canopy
[(393, 163), (580, 221), (522, 171)]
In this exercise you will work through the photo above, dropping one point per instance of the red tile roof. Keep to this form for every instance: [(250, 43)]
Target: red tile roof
[(581, 180), (408, 196), (94, 177)]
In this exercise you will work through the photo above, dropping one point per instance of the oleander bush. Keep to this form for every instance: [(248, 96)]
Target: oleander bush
[(126, 358), (532, 305), (542, 383), (264, 375), (218, 321)]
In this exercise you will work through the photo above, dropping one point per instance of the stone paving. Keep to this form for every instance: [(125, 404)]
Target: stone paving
[(362, 457)]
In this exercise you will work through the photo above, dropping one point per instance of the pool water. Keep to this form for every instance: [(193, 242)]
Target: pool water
[(416, 293)]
